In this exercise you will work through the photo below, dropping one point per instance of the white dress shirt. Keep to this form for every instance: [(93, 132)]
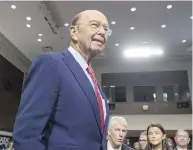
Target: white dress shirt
[(179, 148), (109, 147), (82, 62)]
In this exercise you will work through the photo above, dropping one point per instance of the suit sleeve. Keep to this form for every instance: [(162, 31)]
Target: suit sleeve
[(37, 101)]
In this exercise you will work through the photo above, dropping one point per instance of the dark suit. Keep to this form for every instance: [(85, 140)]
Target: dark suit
[(58, 109)]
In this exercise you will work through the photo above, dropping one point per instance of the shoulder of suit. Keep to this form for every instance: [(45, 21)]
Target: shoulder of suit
[(127, 147), (49, 56)]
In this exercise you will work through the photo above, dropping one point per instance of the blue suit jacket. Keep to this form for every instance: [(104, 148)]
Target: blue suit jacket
[(58, 109)]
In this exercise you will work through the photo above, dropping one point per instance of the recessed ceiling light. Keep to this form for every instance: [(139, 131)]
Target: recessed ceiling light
[(39, 34), (113, 22), (28, 25), (145, 42), (163, 26), (169, 6), (13, 6), (191, 17), (39, 40), (132, 28), (117, 44), (133, 9), (66, 24), (28, 18), (183, 41)]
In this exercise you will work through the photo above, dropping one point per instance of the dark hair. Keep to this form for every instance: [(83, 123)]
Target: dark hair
[(149, 145)]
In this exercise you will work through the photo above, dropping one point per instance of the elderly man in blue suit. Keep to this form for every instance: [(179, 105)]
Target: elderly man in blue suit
[(62, 107)]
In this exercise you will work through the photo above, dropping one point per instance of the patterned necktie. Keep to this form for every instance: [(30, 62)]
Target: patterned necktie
[(97, 93)]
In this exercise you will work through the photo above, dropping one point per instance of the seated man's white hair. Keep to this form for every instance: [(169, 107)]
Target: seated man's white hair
[(143, 133), (180, 130), (117, 119)]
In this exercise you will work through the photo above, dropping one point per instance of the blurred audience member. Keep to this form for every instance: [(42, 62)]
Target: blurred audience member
[(143, 140), (182, 140), (156, 137), (136, 146), (169, 144), (117, 131)]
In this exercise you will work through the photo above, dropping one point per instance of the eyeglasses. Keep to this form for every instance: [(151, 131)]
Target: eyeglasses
[(96, 25)]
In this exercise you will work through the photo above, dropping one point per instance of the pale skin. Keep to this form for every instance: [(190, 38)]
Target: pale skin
[(182, 139), (85, 38), (143, 141), (116, 135), (155, 137)]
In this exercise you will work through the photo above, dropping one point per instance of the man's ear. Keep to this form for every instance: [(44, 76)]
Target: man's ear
[(109, 132), (73, 32)]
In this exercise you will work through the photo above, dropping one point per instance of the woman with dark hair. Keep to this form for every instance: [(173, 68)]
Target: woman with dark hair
[(156, 136)]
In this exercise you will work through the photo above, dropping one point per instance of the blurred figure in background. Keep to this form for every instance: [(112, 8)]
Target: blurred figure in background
[(169, 144), (136, 146), (143, 140), (182, 140), (117, 131), (156, 136)]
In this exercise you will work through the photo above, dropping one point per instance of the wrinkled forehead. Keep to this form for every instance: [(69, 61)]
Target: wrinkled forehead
[(93, 16), (117, 125), (143, 137), (182, 133)]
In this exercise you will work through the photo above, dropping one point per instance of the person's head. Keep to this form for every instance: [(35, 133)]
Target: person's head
[(136, 146), (89, 33), (182, 138), (143, 140), (117, 131), (169, 144), (155, 135)]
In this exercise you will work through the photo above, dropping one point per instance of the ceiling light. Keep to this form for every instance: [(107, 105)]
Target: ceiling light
[(39, 40), (169, 6), (28, 18), (191, 17), (163, 26), (28, 25), (113, 22), (112, 86), (39, 34), (116, 44), (66, 24), (132, 28), (13, 6), (133, 9), (145, 42), (142, 52), (183, 41)]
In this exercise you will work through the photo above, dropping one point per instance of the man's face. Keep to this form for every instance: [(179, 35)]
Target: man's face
[(182, 138), (91, 32), (143, 141), (117, 134)]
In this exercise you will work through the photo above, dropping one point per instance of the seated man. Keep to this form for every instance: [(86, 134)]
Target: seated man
[(182, 140), (117, 131), (143, 140)]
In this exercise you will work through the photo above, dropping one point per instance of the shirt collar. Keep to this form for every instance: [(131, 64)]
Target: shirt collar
[(78, 57), (179, 148), (109, 147)]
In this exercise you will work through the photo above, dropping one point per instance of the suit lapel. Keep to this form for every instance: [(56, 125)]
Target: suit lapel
[(84, 83), (107, 113)]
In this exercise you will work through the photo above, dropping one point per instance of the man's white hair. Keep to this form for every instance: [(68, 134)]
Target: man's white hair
[(117, 119), (143, 133), (181, 130)]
